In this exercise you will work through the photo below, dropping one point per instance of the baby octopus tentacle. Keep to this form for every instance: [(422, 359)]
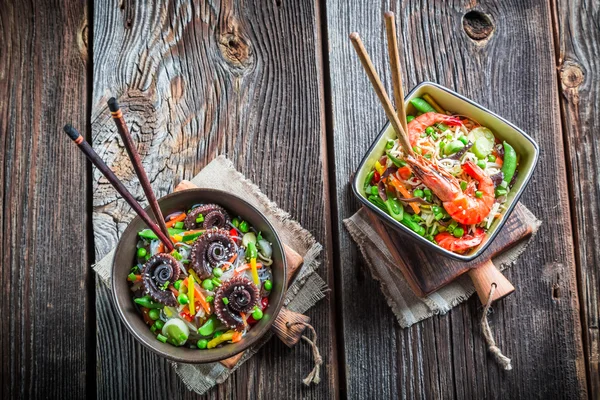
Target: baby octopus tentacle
[(242, 295), (214, 217), (212, 248), (158, 270)]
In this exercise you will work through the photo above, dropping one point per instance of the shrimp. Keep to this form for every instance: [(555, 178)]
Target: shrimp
[(420, 123), (449, 242), (465, 207)]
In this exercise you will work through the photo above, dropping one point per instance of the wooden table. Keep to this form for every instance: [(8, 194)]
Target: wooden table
[(276, 86)]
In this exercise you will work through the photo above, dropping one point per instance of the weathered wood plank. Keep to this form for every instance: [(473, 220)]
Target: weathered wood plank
[(578, 45), (196, 80), (511, 72), (44, 241)]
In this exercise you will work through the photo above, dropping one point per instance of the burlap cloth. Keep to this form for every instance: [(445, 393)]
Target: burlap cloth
[(306, 290), (406, 306)]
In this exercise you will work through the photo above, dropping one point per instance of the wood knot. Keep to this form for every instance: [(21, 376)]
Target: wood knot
[(571, 75), (477, 25), (82, 40), (235, 49)]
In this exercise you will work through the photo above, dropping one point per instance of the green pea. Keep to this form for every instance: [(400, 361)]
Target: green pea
[(427, 193), (217, 334), (374, 190), (409, 118), (159, 324), (183, 299), (481, 164), (463, 185), (268, 285), (458, 232), (154, 314), (257, 314), (217, 272), (429, 130), (389, 144), (208, 284), (492, 158), (178, 225), (161, 338), (244, 227), (177, 284), (141, 252), (418, 193), (236, 222), (464, 140), (225, 300), (479, 194), (202, 343)]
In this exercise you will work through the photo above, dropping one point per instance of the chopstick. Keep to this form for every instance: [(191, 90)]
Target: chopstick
[(394, 53), (134, 156), (85, 147), (381, 93)]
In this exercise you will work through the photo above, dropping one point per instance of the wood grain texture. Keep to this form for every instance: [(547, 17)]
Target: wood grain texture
[(195, 80), (578, 46), (43, 200), (445, 357)]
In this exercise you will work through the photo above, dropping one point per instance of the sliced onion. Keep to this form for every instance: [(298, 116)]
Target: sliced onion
[(265, 248)]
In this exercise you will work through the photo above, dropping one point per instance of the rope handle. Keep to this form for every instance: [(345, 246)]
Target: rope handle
[(313, 376), (500, 358)]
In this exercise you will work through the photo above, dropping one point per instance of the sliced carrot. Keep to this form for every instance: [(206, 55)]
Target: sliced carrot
[(400, 187), (175, 220), (237, 336), (137, 278), (245, 267), (173, 290), (202, 300), (161, 247)]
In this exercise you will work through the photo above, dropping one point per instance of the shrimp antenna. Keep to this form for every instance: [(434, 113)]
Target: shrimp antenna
[(134, 156), (381, 93), (85, 147)]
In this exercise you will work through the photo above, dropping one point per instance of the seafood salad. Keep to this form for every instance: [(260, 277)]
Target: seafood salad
[(455, 184), (212, 288)]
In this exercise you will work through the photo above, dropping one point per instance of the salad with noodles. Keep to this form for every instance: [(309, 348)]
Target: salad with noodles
[(454, 186), (212, 288)]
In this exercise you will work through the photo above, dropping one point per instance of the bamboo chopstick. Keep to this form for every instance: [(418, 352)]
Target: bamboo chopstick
[(134, 156), (380, 91), (85, 147), (394, 53)]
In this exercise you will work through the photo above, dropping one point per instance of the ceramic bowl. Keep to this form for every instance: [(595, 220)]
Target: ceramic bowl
[(526, 148), (125, 255)]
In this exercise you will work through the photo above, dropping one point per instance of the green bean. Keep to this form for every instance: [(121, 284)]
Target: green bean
[(369, 179), (510, 162), (396, 161), (146, 301), (421, 105)]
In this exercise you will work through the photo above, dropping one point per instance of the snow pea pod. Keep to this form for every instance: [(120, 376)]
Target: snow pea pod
[(510, 162)]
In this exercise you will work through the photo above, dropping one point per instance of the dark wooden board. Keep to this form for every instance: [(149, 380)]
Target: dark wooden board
[(578, 46), (196, 80), (427, 271), (512, 73), (44, 273)]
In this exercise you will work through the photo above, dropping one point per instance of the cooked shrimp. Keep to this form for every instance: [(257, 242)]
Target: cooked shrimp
[(465, 207), (420, 123), (449, 242)]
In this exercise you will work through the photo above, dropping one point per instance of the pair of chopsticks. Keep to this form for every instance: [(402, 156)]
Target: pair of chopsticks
[(159, 229), (398, 120)]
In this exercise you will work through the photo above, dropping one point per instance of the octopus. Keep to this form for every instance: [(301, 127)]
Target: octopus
[(214, 217), (210, 250), (242, 295), (158, 270)]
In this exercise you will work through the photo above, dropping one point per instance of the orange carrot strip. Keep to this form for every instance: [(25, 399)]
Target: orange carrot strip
[(137, 278), (161, 247), (400, 187), (237, 336), (202, 300), (175, 220)]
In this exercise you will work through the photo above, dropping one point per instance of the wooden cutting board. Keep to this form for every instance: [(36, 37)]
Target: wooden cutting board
[(426, 271)]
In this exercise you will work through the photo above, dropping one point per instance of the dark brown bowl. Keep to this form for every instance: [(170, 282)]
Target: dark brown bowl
[(124, 257)]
